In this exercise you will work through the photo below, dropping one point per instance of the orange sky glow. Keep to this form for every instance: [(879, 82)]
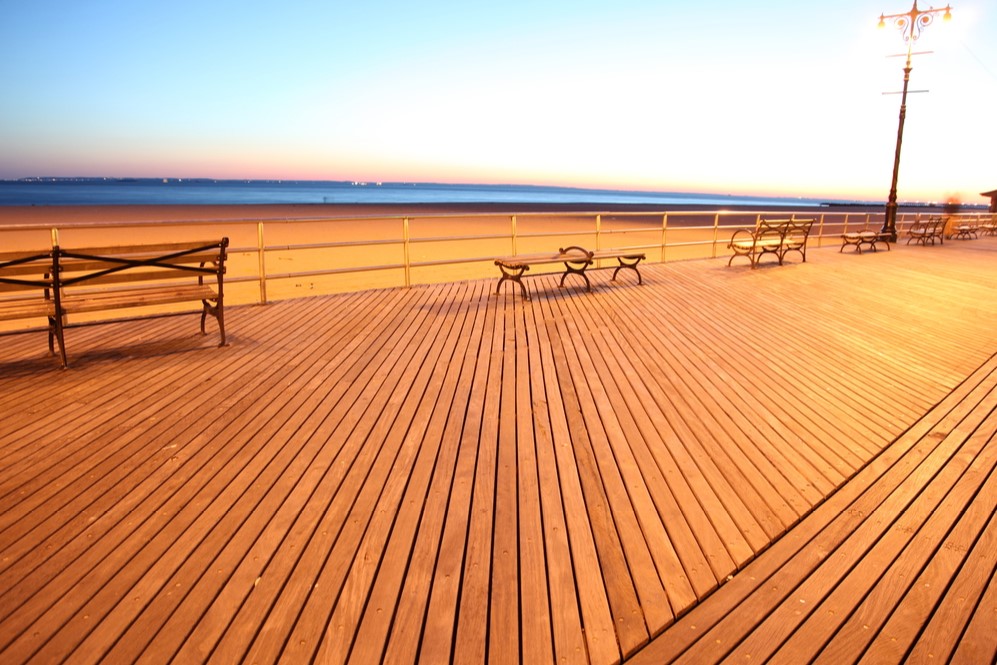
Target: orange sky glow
[(779, 99)]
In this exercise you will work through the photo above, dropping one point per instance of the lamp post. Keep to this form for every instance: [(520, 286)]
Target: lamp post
[(910, 24)]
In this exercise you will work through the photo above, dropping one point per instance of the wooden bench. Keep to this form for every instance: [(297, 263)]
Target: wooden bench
[(988, 226), (576, 261), (64, 282), (923, 231), (866, 237), (771, 236), (964, 229)]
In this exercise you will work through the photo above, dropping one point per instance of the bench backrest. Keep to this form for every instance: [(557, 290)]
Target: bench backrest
[(97, 266), (25, 271), (793, 231), (931, 224), (770, 231), (797, 231)]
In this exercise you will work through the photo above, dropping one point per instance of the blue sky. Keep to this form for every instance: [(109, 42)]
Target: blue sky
[(770, 98)]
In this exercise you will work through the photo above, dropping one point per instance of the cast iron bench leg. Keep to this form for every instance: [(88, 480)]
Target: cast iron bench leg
[(568, 268), (514, 274), (633, 266)]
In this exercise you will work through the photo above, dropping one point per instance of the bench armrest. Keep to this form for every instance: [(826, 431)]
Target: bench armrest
[(742, 235)]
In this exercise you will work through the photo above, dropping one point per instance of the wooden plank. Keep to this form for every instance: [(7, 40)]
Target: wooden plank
[(930, 620), (875, 586), (110, 561), (566, 551), (791, 374), (85, 543), (438, 641), (262, 536), (680, 399), (781, 619), (978, 643), (629, 504), (601, 493), (658, 512), (83, 398), (594, 595), (784, 356), (26, 308), (196, 551), (687, 525), (66, 462), (96, 302), (404, 634), (324, 528), (473, 613), (411, 471), (745, 388), (503, 642), (231, 545), (714, 627), (661, 568)]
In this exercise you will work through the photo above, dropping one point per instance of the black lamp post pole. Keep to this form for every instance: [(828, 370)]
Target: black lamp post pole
[(890, 223), (910, 24)]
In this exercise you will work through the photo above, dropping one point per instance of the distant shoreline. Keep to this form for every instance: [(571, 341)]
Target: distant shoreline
[(13, 216)]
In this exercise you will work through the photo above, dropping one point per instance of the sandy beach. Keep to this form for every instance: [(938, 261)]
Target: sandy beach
[(22, 215)]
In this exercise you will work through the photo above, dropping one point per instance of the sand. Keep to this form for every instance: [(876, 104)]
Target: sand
[(29, 215)]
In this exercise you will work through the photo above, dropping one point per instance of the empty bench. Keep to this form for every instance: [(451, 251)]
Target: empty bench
[(866, 237), (771, 236), (60, 283), (923, 231), (988, 226), (964, 229), (576, 261)]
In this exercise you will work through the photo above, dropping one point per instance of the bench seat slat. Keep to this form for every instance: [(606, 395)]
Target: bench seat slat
[(135, 275), (611, 254), (97, 301), (11, 310), (541, 259)]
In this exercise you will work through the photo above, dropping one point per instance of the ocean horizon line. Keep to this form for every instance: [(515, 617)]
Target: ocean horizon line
[(123, 190)]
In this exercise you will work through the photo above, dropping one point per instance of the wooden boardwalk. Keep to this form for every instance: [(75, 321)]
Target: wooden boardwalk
[(706, 466)]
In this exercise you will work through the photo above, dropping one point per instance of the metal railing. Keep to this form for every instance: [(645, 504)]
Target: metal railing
[(274, 259)]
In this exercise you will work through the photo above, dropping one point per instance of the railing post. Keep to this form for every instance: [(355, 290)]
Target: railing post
[(664, 235), (55, 237), (820, 231), (513, 232), (406, 251), (598, 237), (716, 234), (261, 251)]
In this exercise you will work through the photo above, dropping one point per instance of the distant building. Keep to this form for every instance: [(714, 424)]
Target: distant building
[(993, 199)]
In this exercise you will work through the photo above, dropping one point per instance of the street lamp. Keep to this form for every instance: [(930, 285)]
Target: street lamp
[(910, 24)]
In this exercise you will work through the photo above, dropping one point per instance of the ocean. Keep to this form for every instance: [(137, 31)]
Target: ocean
[(146, 191)]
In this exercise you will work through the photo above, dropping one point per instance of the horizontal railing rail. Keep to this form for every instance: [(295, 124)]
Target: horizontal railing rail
[(342, 252)]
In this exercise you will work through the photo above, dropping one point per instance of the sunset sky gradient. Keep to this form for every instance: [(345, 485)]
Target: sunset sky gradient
[(777, 98)]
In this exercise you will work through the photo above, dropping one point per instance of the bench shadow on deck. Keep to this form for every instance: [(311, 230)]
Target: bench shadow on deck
[(791, 462)]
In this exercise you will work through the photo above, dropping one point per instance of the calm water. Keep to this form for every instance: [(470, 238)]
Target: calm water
[(234, 192)]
